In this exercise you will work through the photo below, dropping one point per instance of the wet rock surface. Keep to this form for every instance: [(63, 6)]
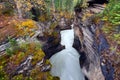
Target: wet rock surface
[(95, 46)]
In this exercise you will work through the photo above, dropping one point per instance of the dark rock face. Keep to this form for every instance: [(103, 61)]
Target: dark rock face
[(97, 2), (36, 13), (23, 68), (89, 60), (84, 62), (106, 64), (50, 48), (93, 44), (83, 57), (77, 44), (94, 66), (51, 43), (107, 69)]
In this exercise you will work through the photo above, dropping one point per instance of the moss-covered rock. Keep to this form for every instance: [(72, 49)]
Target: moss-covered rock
[(26, 63)]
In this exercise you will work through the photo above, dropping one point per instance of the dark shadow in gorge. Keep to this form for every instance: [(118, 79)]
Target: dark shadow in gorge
[(91, 2), (51, 43), (35, 13)]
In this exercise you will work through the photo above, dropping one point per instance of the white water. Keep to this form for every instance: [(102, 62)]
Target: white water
[(65, 64)]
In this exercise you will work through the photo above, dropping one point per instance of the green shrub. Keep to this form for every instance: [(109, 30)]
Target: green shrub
[(13, 47), (112, 12)]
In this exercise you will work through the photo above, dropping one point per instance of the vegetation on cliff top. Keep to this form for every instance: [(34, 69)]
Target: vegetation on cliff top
[(44, 10), (111, 27)]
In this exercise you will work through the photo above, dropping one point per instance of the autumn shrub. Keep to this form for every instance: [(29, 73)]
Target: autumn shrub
[(26, 28)]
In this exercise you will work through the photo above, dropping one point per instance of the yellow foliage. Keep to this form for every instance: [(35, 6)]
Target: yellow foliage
[(43, 18), (26, 28), (38, 55)]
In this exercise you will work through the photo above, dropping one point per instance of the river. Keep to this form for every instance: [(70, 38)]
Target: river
[(65, 64)]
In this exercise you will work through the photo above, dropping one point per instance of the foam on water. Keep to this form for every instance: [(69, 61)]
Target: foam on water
[(65, 64)]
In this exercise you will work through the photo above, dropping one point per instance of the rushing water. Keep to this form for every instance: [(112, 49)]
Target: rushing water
[(65, 64)]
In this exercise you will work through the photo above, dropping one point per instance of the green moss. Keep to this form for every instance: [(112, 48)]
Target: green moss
[(18, 77), (3, 75)]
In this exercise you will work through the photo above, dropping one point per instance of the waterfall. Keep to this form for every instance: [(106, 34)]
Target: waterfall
[(65, 64)]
